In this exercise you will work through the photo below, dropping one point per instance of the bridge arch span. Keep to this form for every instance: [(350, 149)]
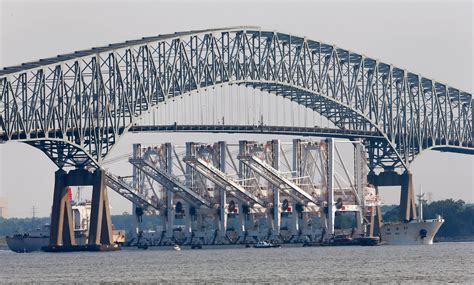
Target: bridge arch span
[(89, 98)]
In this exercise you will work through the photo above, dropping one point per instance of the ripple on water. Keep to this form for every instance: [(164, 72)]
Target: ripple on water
[(440, 263)]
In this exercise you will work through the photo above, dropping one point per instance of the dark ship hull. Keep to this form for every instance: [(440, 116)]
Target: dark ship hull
[(26, 243)]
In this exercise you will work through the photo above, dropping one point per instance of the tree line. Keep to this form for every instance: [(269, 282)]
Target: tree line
[(458, 217)]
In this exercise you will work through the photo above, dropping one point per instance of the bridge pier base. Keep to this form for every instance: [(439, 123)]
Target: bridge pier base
[(407, 194), (62, 227)]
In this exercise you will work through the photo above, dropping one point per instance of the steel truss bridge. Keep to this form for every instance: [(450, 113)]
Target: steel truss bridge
[(75, 107)]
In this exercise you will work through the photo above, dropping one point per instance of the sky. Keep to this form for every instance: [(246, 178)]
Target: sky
[(434, 39)]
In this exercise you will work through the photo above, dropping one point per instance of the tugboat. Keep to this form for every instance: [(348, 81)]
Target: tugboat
[(416, 232), (267, 244)]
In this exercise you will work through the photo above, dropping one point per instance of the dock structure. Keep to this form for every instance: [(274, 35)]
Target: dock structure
[(224, 193)]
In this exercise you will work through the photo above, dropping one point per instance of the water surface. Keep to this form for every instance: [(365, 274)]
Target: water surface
[(439, 263)]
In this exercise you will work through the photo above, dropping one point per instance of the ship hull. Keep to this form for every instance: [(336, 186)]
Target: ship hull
[(26, 244), (412, 233)]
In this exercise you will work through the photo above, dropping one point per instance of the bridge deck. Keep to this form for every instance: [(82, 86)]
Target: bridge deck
[(263, 129)]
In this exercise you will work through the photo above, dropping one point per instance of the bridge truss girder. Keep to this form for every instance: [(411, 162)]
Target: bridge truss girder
[(89, 98)]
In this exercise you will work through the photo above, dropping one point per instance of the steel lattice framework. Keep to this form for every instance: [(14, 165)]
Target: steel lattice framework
[(74, 107)]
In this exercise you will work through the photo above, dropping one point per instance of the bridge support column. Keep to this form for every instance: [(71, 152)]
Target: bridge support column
[(407, 195), (375, 218), (100, 229), (407, 198), (62, 226)]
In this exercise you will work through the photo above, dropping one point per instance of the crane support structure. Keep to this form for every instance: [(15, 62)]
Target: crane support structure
[(170, 182), (222, 180), (276, 178), (128, 192)]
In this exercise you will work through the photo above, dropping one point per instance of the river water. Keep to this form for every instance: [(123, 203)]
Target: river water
[(439, 263)]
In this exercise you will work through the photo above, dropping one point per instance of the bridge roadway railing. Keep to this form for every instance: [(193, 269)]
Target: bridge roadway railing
[(264, 129), (170, 182), (222, 180)]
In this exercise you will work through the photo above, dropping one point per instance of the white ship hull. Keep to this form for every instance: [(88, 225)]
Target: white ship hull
[(411, 233)]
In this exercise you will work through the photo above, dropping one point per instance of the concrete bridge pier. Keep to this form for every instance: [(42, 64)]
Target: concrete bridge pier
[(62, 227), (100, 227), (407, 198), (407, 194)]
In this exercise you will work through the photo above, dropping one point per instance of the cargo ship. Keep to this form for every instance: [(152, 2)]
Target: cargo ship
[(414, 232)]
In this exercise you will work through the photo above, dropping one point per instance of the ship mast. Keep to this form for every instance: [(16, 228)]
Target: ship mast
[(420, 204)]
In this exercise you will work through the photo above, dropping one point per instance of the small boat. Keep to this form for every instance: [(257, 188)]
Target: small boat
[(266, 244), (176, 247)]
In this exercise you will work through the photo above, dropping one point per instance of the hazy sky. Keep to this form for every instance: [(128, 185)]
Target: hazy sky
[(434, 39)]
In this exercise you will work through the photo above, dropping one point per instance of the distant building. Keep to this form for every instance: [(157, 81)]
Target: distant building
[(3, 208)]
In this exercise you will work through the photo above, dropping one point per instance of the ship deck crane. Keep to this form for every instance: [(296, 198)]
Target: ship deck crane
[(222, 180), (127, 191), (170, 182), (276, 178)]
